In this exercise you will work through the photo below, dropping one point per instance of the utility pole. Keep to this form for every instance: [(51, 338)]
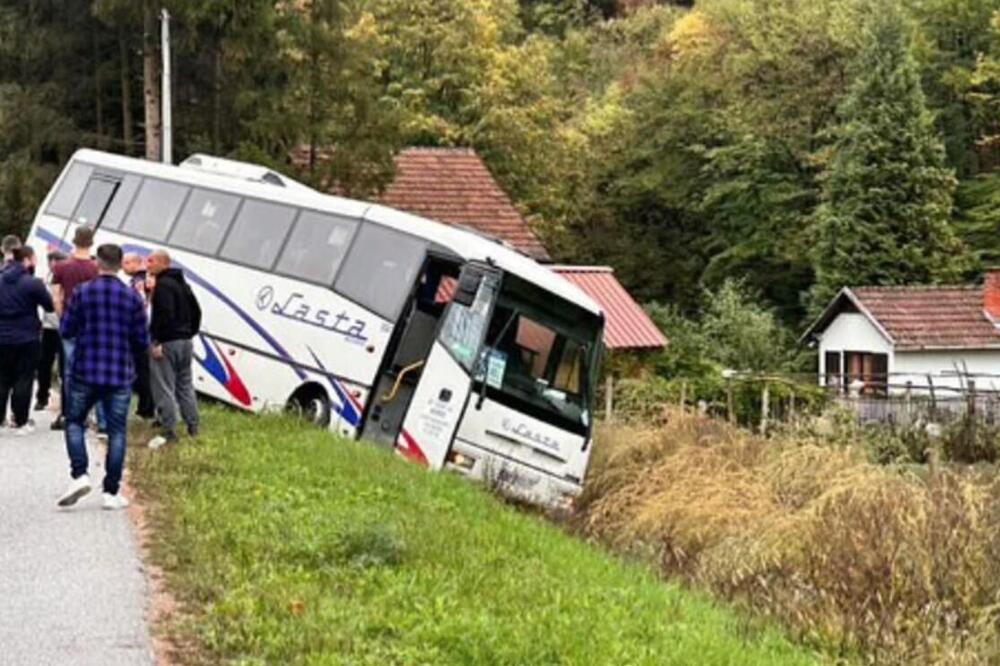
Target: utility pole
[(168, 124)]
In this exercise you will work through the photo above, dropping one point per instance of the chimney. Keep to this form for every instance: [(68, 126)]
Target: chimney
[(991, 293)]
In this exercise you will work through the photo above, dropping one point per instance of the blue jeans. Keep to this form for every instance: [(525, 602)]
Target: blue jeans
[(115, 401), (69, 346)]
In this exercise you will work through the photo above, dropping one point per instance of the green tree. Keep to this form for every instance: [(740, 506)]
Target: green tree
[(953, 36), (887, 199), (743, 334)]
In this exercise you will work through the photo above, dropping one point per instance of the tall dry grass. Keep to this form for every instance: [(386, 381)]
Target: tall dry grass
[(897, 564)]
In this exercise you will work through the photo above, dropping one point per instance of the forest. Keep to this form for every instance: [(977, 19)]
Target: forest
[(791, 146)]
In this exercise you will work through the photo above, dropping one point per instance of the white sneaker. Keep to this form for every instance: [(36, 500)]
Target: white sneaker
[(78, 487), (114, 502), (26, 429)]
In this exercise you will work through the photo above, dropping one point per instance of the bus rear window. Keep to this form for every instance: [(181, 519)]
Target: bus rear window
[(64, 202)]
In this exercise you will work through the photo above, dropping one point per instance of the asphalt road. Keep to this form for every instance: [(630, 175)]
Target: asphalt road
[(72, 587)]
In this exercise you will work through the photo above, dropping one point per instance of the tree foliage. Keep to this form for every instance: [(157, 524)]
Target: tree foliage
[(885, 217), (685, 144)]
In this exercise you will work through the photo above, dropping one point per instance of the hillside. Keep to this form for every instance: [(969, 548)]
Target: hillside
[(286, 545)]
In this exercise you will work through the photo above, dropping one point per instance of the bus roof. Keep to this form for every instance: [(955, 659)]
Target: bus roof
[(466, 244)]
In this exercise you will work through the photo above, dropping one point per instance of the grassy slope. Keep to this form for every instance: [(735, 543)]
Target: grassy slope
[(289, 546)]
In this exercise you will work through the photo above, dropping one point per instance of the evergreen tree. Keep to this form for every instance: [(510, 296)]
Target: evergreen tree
[(887, 198)]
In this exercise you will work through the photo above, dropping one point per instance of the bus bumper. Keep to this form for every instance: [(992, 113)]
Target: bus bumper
[(511, 478)]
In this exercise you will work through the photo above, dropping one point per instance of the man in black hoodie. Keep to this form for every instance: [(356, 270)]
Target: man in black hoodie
[(21, 294), (175, 319)]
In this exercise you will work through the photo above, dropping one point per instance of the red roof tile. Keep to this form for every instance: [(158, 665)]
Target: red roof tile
[(453, 185), (935, 316), (626, 325)]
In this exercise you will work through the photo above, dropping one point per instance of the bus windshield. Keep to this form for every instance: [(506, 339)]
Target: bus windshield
[(541, 356)]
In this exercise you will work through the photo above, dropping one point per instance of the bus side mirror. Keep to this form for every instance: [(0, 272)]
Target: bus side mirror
[(468, 285)]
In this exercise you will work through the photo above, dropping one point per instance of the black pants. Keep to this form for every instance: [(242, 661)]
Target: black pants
[(51, 351), (146, 408), (17, 372)]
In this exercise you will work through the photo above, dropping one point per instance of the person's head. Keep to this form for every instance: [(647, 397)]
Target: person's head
[(9, 244), (109, 259), (158, 262), (28, 257), (132, 263), (24, 256), (83, 238), (55, 257)]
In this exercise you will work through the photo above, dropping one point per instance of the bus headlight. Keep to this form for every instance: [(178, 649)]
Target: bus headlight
[(461, 461)]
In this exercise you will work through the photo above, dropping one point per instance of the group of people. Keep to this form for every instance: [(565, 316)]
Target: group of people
[(110, 337)]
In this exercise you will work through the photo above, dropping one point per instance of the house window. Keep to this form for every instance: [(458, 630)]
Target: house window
[(833, 378), (870, 368)]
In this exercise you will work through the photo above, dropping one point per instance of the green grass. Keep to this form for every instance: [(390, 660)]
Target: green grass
[(285, 545)]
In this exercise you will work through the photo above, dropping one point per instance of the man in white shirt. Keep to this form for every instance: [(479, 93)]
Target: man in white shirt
[(51, 344)]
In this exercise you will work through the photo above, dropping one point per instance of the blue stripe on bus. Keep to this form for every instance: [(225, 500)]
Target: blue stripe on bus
[(347, 410)]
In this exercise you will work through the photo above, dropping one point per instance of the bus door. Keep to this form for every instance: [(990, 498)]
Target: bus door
[(408, 350), (420, 409)]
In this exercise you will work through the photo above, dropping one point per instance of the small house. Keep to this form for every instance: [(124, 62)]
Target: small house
[(900, 339)]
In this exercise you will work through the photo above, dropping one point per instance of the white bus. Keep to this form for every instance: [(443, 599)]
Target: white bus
[(452, 348)]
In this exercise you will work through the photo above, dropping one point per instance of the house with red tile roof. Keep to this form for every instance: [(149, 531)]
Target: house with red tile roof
[(890, 339), (455, 186)]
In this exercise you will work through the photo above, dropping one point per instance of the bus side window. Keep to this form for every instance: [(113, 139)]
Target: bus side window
[(257, 234), (381, 269), (155, 208), (96, 196), (120, 203), (204, 221), (317, 246), (64, 201)]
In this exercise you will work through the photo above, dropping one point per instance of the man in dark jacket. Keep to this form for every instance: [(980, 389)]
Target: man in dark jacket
[(175, 319), (21, 295)]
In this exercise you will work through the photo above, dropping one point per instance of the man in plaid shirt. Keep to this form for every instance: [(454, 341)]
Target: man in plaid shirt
[(107, 319)]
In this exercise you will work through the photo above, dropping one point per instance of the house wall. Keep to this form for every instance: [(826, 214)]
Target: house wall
[(852, 331), (913, 366)]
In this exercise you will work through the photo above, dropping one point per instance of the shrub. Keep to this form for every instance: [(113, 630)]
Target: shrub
[(901, 565), (970, 439)]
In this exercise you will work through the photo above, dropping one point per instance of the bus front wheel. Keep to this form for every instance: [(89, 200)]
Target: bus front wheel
[(311, 402)]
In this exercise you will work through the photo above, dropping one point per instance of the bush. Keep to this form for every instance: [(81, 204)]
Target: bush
[(904, 567), (971, 439)]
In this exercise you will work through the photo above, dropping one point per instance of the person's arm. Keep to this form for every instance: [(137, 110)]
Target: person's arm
[(195, 311), (42, 296), (58, 300), (161, 307), (72, 322), (139, 328)]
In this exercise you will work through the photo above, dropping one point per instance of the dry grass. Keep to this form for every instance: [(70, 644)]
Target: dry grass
[(899, 564)]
